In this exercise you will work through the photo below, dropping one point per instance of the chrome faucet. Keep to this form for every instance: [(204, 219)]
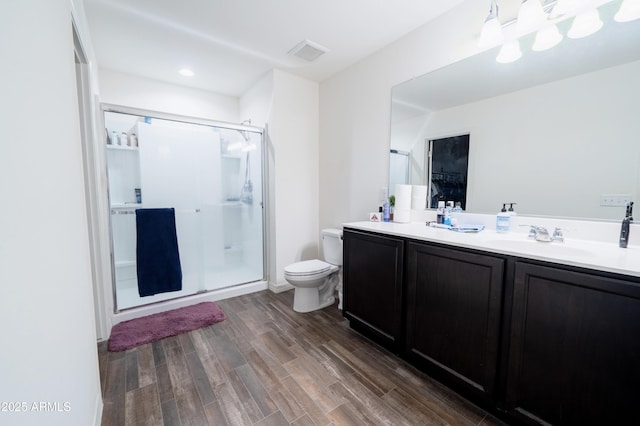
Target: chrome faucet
[(557, 235), (540, 233)]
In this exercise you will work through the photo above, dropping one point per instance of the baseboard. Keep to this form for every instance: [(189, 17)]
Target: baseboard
[(280, 287), (99, 406)]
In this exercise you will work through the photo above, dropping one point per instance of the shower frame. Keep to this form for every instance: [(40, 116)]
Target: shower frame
[(120, 109)]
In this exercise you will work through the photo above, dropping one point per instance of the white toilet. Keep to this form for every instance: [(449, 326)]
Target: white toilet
[(315, 281)]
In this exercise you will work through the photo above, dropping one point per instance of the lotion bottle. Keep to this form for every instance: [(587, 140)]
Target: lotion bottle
[(503, 220)]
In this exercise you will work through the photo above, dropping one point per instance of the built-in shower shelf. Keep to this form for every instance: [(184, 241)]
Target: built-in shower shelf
[(122, 147), (124, 263), (126, 205)]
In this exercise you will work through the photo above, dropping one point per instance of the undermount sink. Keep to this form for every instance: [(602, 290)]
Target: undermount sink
[(531, 246)]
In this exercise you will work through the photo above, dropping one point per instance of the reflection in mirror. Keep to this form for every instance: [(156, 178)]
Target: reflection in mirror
[(555, 131), (399, 169), (448, 159)]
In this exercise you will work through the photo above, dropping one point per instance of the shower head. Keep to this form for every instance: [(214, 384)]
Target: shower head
[(243, 132)]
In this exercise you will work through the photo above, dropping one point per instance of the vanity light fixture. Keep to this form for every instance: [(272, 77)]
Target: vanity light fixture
[(565, 7), (547, 37), (542, 16), (585, 24), (185, 72), (629, 11), (530, 16), (509, 52), (491, 34)]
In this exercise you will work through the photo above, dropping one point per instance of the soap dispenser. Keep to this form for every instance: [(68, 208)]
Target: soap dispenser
[(503, 220)]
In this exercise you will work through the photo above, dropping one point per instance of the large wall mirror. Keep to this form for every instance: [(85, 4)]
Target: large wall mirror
[(553, 132)]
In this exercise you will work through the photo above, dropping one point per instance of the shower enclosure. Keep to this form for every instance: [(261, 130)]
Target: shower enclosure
[(210, 174)]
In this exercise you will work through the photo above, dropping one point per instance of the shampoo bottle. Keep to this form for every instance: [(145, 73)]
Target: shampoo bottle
[(503, 220)]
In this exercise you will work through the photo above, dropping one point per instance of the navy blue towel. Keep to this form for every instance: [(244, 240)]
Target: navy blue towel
[(157, 258)]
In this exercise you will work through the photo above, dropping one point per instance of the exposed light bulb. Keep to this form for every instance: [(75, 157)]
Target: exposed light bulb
[(546, 38), (585, 24), (530, 16), (509, 52), (491, 34), (629, 11)]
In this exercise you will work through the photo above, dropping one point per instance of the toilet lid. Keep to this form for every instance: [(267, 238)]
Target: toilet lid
[(307, 267)]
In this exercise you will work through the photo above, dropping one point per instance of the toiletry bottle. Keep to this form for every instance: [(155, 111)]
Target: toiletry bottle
[(386, 212), (455, 216), (440, 213), (511, 211), (447, 213), (626, 222), (503, 219)]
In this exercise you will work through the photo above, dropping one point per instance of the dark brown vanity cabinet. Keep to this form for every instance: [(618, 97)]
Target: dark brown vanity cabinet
[(574, 348), (453, 305), (372, 273), (535, 342)]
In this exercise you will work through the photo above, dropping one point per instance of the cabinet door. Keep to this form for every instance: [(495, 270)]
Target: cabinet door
[(574, 356), (372, 274), (453, 308)]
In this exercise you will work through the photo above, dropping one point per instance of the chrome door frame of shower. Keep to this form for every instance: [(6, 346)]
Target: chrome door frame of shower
[(121, 109)]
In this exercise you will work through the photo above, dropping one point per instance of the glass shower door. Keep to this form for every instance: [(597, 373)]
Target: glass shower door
[(211, 175)]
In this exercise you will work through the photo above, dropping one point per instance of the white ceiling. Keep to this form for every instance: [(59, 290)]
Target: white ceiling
[(230, 44)]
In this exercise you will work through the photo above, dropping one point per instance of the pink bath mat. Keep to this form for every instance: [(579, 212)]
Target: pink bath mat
[(138, 331)]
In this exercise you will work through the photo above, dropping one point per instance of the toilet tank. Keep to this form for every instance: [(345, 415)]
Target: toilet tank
[(332, 245)]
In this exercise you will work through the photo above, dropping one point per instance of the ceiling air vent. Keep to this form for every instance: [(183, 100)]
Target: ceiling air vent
[(308, 50)]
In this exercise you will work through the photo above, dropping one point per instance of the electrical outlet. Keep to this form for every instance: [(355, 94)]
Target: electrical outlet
[(614, 200)]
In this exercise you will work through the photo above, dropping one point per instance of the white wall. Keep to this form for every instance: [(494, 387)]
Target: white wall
[(355, 110), (139, 92), (293, 131), (49, 352)]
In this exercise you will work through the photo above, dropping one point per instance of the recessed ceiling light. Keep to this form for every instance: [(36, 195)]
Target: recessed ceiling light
[(186, 72)]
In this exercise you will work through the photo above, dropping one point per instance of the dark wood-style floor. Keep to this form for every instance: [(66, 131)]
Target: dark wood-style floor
[(268, 365)]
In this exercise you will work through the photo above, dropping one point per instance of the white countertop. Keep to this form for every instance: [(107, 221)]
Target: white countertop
[(597, 255)]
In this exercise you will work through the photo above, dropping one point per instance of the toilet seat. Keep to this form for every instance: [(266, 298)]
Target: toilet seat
[(307, 267)]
